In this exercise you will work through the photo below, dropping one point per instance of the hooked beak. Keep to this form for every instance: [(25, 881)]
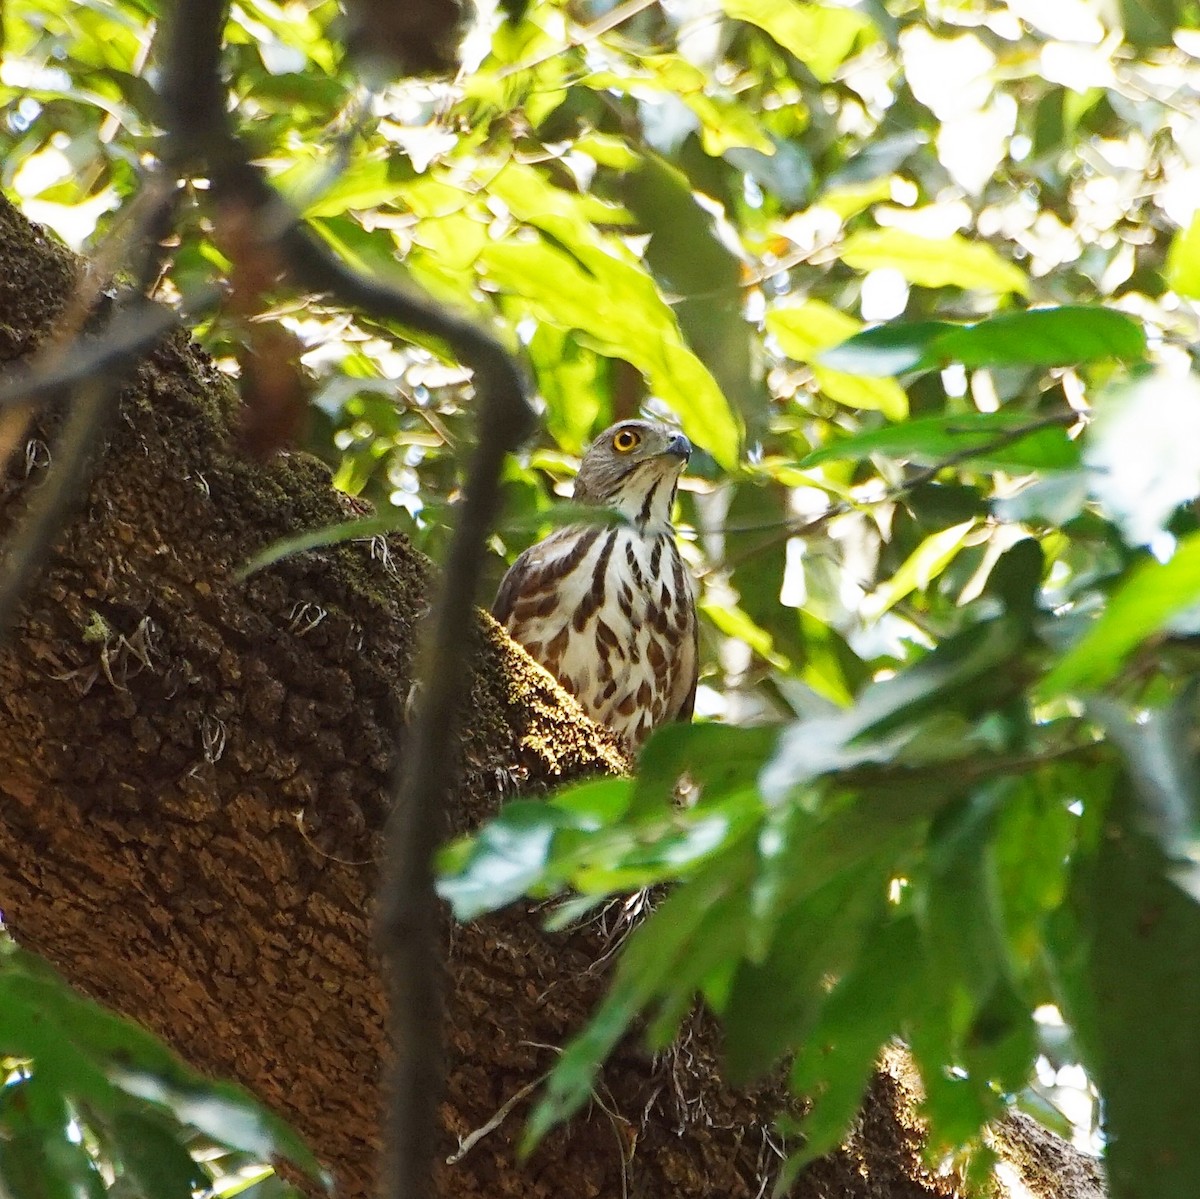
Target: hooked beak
[(679, 446)]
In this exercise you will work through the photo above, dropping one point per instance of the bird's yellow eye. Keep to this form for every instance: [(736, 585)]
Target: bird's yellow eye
[(626, 440)]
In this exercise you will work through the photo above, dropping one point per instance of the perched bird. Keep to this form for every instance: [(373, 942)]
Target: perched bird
[(609, 609)]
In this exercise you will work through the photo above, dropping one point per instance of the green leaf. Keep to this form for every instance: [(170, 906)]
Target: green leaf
[(724, 124), (967, 948), (615, 304), (759, 510), (718, 758), (807, 329), (312, 539), (934, 262), (1142, 939), (1003, 439), (685, 251), (1143, 604), (223, 1112), (97, 1059), (1038, 337), (919, 570), (38, 1157), (503, 860), (852, 198), (692, 262), (774, 1002), (697, 926), (1165, 777), (865, 1008), (831, 667), (1035, 833), (733, 621), (1183, 261), (1151, 22), (47, 1167), (891, 349), (153, 1158), (321, 189), (1045, 337), (822, 37), (959, 674)]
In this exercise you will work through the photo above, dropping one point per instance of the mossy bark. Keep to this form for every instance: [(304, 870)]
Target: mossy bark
[(195, 773)]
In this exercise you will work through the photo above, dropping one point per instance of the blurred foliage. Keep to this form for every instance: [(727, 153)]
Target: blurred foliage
[(91, 1105), (921, 281)]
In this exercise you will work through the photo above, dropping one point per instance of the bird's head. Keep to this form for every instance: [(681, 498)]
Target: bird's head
[(634, 466)]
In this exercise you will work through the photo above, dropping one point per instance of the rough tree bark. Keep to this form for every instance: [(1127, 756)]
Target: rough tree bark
[(193, 779)]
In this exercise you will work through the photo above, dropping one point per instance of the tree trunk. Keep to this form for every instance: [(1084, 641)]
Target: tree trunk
[(196, 771)]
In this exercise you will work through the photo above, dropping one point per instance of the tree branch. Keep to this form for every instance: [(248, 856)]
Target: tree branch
[(200, 133), (91, 400)]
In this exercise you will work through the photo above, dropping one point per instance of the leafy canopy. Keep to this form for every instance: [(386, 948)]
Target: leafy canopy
[(920, 281)]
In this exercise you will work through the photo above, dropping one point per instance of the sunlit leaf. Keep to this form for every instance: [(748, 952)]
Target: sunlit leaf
[(616, 305), (921, 567), (694, 264), (820, 36), (1183, 261), (722, 125), (734, 621), (320, 190), (805, 330), (934, 262)]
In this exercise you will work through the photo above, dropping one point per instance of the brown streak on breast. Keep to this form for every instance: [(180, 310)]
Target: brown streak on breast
[(656, 556), (594, 597), (555, 648), (639, 579)]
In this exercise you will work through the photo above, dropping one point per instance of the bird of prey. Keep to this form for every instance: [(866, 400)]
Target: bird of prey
[(609, 608)]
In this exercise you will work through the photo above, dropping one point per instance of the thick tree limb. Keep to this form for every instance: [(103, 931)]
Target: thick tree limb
[(196, 774), (200, 131)]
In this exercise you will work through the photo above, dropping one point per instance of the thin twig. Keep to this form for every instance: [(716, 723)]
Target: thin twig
[(806, 525), (200, 134), (589, 33), (467, 1143), (967, 771)]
